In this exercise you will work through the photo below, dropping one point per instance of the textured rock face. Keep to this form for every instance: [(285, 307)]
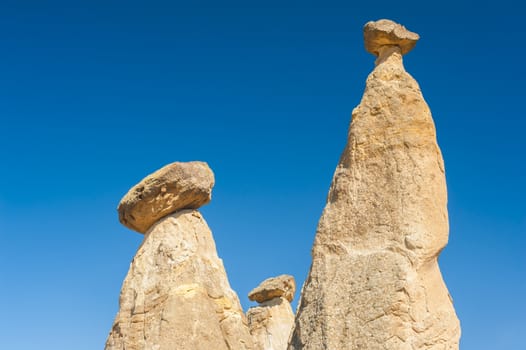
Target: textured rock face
[(271, 324), (271, 321), (374, 281), (174, 187), (281, 286), (176, 294)]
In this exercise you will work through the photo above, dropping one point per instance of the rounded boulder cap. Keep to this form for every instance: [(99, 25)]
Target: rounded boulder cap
[(385, 32), (174, 187), (275, 287)]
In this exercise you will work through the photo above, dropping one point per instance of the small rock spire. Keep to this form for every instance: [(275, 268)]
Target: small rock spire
[(271, 321)]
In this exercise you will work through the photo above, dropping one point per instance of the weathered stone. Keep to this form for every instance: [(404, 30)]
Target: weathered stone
[(374, 281), (176, 294), (274, 287), (174, 187), (271, 323), (384, 32)]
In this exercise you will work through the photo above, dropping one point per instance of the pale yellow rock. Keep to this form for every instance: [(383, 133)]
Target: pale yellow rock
[(274, 287), (385, 32), (271, 323), (176, 294), (374, 281), (174, 187)]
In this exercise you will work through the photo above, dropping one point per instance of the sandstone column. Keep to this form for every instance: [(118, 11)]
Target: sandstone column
[(374, 281), (176, 294), (271, 321)]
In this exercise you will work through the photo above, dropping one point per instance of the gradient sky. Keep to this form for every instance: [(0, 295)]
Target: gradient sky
[(95, 95)]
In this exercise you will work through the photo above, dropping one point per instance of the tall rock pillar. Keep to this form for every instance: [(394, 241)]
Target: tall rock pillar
[(176, 294), (374, 281)]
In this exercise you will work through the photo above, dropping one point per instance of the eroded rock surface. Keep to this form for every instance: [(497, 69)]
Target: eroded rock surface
[(374, 281), (176, 294), (271, 321), (174, 187)]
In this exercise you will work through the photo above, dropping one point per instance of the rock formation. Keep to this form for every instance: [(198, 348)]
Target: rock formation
[(374, 281), (173, 187), (271, 321), (274, 287), (176, 294)]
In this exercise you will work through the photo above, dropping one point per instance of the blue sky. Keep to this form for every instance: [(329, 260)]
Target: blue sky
[(94, 95)]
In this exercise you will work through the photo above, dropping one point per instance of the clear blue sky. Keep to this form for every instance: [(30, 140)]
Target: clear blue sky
[(94, 95)]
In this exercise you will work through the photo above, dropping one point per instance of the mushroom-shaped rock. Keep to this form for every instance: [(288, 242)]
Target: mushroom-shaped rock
[(374, 281), (271, 321), (174, 187), (385, 32), (275, 287)]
